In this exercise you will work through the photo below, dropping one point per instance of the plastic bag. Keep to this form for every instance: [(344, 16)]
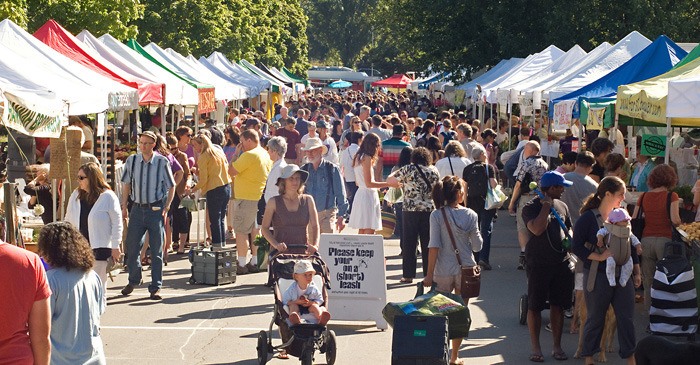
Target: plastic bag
[(494, 198)]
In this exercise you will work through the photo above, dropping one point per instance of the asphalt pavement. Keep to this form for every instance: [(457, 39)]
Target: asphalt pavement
[(201, 324)]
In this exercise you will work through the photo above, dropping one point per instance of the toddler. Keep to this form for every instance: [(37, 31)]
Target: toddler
[(617, 231), (304, 298)]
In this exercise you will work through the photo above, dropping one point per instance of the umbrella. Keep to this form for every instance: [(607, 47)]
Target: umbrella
[(340, 84)]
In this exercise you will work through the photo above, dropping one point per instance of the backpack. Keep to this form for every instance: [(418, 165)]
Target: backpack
[(619, 242), (477, 181), (512, 163)]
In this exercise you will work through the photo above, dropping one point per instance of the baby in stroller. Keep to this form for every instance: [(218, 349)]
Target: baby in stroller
[(304, 298)]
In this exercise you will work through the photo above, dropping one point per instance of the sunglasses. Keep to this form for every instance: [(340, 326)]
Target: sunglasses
[(356, 122), (81, 177)]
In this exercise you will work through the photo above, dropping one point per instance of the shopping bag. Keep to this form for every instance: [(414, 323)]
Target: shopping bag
[(494, 198)]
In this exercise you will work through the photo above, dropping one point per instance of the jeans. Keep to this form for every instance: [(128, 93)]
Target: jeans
[(485, 228), (597, 303), (350, 190), (217, 204), (142, 220), (415, 225)]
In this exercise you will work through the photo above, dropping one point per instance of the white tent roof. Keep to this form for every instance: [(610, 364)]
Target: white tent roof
[(495, 72), (683, 100), (218, 61), (177, 92), (564, 63), (587, 73), (85, 90), (227, 89), (534, 91), (532, 65)]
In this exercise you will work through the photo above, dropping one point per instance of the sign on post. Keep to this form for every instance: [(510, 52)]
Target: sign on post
[(653, 145), (357, 276)]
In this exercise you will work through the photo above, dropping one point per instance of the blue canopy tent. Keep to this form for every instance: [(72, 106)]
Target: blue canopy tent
[(657, 58)]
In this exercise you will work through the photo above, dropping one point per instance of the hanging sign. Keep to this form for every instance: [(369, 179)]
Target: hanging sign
[(357, 276), (207, 100), (562, 114), (653, 145)]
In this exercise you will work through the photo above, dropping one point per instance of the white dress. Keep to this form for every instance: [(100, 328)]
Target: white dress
[(366, 211)]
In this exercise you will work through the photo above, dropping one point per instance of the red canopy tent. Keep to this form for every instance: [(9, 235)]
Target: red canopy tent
[(399, 81), (58, 38)]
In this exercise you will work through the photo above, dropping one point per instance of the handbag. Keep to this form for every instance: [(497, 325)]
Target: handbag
[(638, 221), (470, 285), (494, 196)]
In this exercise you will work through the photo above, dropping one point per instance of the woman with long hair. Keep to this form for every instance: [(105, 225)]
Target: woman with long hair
[(180, 218), (599, 295), (417, 179), (177, 169), (94, 209), (443, 268), (215, 183), (366, 211), (233, 138), (77, 296)]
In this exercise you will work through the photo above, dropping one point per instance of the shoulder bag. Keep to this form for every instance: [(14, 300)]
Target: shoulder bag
[(638, 221), (470, 285), (494, 196)]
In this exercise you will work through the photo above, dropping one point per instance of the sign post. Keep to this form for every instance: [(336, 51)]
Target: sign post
[(357, 276)]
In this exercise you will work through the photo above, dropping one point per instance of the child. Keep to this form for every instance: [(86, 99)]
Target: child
[(617, 232), (304, 298)]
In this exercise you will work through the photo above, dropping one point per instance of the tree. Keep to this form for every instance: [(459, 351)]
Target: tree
[(15, 10), (115, 17)]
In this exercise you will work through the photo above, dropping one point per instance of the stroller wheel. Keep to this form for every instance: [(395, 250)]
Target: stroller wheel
[(262, 348), (523, 309), (307, 357), (330, 348)]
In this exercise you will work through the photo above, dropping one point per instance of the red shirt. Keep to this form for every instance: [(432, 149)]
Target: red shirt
[(23, 282), (293, 138)]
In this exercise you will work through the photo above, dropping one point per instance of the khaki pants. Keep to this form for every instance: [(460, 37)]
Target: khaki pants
[(326, 221), (653, 251)]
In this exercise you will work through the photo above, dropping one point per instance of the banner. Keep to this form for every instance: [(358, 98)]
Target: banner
[(642, 106), (526, 108), (30, 122), (653, 145), (562, 114), (207, 101), (596, 118), (357, 276)]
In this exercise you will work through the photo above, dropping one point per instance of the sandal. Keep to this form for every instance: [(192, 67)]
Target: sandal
[(561, 355), (536, 358), (283, 355), (458, 362), (406, 280)]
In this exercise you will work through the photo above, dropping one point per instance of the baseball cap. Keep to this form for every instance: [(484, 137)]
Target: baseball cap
[(149, 134), (321, 124), (303, 266), (553, 178)]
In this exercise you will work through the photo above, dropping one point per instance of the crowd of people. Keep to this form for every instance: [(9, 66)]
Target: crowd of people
[(342, 160)]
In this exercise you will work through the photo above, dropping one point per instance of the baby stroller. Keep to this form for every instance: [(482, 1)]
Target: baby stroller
[(304, 339)]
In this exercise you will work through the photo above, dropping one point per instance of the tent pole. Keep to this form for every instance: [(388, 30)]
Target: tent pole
[(669, 133), (195, 117), (163, 120)]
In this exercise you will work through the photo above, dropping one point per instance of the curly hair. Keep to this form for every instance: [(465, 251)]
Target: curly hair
[(614, 161), (421, 156), (62, 245), (662, 175)]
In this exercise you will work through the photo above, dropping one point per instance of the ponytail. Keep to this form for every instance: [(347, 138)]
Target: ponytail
[(446, 191), (591, 202)]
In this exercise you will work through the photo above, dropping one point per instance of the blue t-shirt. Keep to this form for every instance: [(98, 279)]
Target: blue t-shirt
[(293, 293)]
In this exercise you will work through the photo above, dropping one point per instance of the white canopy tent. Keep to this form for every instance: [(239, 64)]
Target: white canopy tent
[(620, 53), (240, 88), (218, 61), (495, 72), (534, 91), (532, 65), (177, 92), (84, 90), (683, 99)]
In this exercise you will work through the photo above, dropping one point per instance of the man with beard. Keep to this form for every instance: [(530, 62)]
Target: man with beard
[(325, 185)]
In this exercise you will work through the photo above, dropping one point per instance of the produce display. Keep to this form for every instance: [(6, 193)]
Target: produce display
[(690, 231)]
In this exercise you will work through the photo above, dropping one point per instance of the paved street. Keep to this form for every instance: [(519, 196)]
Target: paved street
[(198, 324)]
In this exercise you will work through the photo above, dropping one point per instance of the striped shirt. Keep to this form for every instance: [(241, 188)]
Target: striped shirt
[(150, 181), (391, 150)]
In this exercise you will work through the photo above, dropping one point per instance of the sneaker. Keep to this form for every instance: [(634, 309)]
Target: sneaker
[(241, 270), (156, 295), (252, 268), (484, 265), (548, 327), (569, 313), (521, 262), (128, 289), (229, 235)]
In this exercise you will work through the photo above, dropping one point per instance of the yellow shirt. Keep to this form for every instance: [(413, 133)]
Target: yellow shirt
[(212, 173), (253, 167)]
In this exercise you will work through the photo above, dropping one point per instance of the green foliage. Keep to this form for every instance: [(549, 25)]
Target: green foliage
[(115, 17), (15, 10)]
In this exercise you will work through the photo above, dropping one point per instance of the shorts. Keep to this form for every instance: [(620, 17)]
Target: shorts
[(448, 283), (524, 199), (553, 282), (578, 281), (244, 214)]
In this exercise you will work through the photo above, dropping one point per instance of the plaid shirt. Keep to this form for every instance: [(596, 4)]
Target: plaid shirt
[(391, 150)]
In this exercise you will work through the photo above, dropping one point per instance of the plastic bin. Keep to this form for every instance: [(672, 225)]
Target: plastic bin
[(214, 267)]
